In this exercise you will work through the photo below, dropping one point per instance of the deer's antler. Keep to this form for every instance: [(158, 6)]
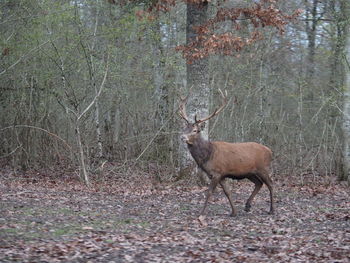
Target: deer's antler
[(182, 107), (217, 111)]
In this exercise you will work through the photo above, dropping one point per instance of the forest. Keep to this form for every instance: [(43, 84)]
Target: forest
[(94, 99)]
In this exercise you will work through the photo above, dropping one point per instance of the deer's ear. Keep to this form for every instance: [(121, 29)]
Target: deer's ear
[(202, 126)]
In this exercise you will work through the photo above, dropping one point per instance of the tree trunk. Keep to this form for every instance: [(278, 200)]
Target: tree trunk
[(346, 108), (336, 79), (161, 91), (313, 16), (83, 170), (99, 153), (311, 26), (115, 126), (197, 81), (161, 118)]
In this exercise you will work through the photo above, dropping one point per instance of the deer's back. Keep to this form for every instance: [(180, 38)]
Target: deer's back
[(239, 158)]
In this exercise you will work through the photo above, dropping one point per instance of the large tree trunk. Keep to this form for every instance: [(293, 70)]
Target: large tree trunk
[(336, 78), (346, 110), (162, 113), (311, 31), (197, 81)]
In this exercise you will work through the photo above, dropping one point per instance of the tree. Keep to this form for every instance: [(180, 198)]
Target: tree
[(346, 108), (314, 13), (53, 60), (338, 12), (197, 78), (203, 40)]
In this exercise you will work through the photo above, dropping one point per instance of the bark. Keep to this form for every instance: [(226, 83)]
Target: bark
[(346, 110), (112, 127), (197, 82), (161, 91), (99, 153), (336, 79), (83, 171), (115, 125), (162, 116), (313, 16)]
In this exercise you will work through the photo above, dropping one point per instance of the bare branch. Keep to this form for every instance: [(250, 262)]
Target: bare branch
[(40, 129), (98, 93), (24, 56)]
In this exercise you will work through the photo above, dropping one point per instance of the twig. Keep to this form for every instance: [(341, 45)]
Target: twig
[(12, 152), (37, 128), (98, 93), (22, 57), (151, 141)]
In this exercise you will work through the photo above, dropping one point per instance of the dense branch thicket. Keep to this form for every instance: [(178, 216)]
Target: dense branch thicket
[(287, 88)]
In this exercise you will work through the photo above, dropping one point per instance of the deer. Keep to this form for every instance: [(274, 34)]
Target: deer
[(221, 160)]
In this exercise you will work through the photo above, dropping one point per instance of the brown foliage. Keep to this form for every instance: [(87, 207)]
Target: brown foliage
[(209, 42), (6, 51)]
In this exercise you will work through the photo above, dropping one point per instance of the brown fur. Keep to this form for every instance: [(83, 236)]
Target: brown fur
[(201, 150), (237, 161)]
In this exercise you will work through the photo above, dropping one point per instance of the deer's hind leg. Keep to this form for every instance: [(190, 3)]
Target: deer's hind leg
[(258, 184), (267, 180)]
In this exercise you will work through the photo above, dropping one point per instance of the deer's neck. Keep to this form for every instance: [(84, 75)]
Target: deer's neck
[(201, 151)]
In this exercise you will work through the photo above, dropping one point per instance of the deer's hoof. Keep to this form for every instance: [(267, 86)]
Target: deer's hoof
[(233, 214)]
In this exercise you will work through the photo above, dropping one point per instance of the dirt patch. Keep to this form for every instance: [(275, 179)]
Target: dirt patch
[(143, 222)]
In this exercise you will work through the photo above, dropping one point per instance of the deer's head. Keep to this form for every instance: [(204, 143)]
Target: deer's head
[(192, 129)]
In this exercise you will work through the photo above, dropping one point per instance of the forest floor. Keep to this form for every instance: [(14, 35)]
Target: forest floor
[(43, 219)]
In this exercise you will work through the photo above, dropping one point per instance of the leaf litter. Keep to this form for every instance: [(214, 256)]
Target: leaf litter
[(53, 221)]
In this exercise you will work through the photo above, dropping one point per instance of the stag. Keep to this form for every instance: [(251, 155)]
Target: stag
[(221, 160)]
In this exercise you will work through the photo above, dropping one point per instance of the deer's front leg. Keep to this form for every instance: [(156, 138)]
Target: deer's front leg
[(227, 192), (214, 182)]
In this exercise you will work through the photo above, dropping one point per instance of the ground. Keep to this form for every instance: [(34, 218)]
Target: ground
[(140, 220)]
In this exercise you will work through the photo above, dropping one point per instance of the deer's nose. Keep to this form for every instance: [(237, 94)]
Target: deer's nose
[(184, 138)]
